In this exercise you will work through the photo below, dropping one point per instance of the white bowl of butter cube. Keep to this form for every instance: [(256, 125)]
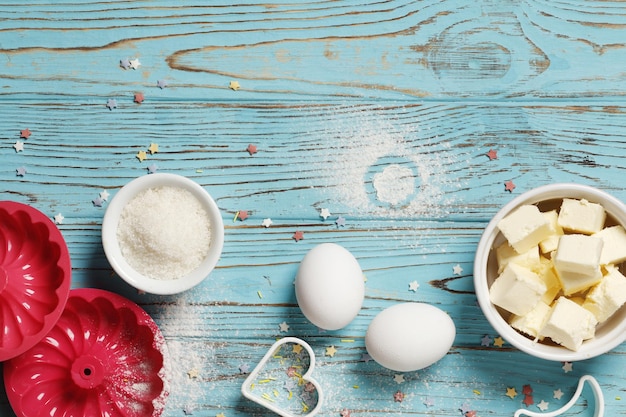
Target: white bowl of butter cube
[(549, 272)]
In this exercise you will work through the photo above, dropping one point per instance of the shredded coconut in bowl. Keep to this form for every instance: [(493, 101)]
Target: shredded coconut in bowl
[(164, 232)]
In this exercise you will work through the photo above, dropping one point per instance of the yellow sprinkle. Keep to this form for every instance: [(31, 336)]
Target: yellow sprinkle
[(476, 392), (290, 395), (236, 216), (251, 387), (277, 357), (355, 386), (297, 374), (305, 408), (618, 398), (275, 392), (260, 294), (267, 397), (347, 340), (199, 171), (265, 381)]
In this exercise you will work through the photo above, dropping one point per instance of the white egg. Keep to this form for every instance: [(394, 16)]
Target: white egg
[(330, 286), (410, 336)]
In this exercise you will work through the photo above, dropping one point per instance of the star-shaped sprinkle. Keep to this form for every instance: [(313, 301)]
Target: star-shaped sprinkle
[(193, 373), (413, 286), (134, 63), (152, 168), (465, 407), (543, 405), (492, 154), (242, 215), (365, 357), (429, 402), (527, 389), (125, 63), (567, 367), (97, 202), (234, 85), (486, 340), (58, 218), (153, 148), (252, 149), (141, 155), (340, 222), (20, 172), (498, 341), (528, 400), (104, 195), (511, 393), (557, 394), (266, 222), (139, 98), (298, 235), (345, 413), (19, 146), (25, 134), (457, 270), (399, 378), (297, 348), (244, 368), (283, 327), (398, 396), (330, 351), (324, 213), (161, 84), (509, 186), (112, 103)]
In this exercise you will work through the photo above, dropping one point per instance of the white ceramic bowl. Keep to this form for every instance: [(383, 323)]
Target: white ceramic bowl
[(608, 335), (112, 247)]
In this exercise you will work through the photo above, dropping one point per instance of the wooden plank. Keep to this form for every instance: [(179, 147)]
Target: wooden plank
[(400, 50)]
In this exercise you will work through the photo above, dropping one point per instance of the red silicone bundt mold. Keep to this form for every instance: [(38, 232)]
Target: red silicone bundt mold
[(104, 357), (35, 276)]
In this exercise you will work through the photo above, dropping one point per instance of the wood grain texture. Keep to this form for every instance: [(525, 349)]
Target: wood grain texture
[(337, 96)]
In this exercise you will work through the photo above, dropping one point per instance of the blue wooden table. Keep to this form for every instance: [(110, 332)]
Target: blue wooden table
[(382, 113)]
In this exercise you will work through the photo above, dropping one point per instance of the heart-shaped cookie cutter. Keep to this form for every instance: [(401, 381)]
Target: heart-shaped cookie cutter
[(597, 393), (266, 401)]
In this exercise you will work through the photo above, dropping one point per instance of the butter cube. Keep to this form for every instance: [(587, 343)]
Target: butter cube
[(608, 295), (517, 289), (581, 216), (569, 324), (614, 248), (524, 228), (549, 277), (532, 322), (505, 254), (578, 253), (550, 243), (573, 282)]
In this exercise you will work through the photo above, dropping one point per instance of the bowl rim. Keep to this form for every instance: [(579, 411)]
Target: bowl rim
[(590, 348), (111, 245)]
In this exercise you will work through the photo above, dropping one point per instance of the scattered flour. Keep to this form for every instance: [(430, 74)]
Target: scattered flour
[(164, 232), (376, 165)]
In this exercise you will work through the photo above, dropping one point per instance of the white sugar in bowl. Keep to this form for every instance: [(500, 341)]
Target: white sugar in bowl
[(162, 233)]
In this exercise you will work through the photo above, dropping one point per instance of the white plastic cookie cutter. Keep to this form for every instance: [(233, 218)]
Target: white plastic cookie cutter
[(597, 393), (273, 391)]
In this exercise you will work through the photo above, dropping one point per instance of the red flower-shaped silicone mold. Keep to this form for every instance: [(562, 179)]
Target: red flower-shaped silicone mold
[(35, 275), (104, 357)]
